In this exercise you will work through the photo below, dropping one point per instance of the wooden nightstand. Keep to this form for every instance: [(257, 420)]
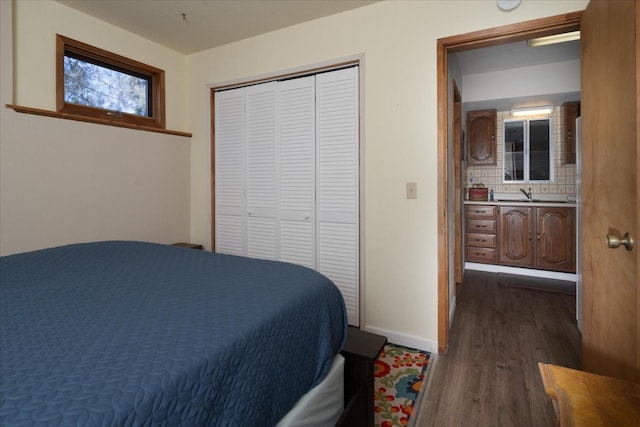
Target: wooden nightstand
[(585, 399), (360, 352), (189, 245)]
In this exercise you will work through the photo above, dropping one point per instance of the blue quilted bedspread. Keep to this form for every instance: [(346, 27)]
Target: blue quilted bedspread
[(140, 334)]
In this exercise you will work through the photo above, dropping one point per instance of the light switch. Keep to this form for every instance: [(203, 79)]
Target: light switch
[(412, 190)]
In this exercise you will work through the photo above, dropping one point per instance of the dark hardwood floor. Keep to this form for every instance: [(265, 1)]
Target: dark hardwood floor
[(503, 326)]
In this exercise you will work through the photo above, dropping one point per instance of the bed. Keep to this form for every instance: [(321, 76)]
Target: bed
[(133, 333)]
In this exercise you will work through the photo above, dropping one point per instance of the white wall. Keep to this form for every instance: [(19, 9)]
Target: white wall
[(36, 24), (63, 181), (398, 41), (545, 79)]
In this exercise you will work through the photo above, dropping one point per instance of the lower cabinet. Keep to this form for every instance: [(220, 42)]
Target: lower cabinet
[(480, 233), (537, 237)]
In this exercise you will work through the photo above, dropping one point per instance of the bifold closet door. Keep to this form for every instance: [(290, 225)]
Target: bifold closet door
[(287, 175), (261, 170), (297, 197), (337, 154), (229, 173)]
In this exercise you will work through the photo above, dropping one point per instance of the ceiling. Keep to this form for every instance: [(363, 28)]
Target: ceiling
[(515, 55), (189, 26)]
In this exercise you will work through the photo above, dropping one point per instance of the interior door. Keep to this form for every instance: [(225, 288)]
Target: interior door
[(609, 91)]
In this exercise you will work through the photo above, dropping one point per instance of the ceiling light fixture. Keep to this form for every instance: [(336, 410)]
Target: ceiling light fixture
[(534, 111), (555, 38), (508, 5)]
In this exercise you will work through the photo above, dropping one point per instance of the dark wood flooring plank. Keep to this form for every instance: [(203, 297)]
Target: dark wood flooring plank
[(503, 327)]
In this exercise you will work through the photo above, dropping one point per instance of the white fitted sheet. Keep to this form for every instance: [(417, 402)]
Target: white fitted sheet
[(322, 405)]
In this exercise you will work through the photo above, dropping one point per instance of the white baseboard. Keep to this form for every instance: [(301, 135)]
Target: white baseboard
[(494, 268), (405, 339)]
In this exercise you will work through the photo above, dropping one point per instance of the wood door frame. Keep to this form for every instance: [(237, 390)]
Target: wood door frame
[(478, 39), (458, 196)]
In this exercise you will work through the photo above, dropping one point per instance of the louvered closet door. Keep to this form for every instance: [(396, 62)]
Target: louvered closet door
[(229, 172), (297, 171), (261, 169), (337, 164), (287, 166)]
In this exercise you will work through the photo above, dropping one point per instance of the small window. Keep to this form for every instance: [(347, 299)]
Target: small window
[(97, 84), (528, 150)]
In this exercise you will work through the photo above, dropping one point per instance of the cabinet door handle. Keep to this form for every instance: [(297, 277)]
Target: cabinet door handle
[(538, 237), (529, 236)]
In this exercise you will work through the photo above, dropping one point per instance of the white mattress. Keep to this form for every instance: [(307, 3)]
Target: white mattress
[(323, 404)]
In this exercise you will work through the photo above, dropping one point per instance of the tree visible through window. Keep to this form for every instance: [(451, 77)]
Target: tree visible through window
[(95, 83), (95, 86)]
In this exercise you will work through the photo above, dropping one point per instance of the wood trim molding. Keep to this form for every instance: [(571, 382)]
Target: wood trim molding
[(66, 46), (474, 40), (99, 121), (212, 149)]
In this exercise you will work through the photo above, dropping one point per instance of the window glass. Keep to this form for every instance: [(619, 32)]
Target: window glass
[(514, 151), (93, 85), (528, 150), (105, 87), (539, 144)]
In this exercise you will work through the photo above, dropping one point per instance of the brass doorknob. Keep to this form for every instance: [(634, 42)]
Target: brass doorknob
[(615, 242)]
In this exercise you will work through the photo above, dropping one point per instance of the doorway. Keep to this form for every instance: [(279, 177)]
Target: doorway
[(446, 206)]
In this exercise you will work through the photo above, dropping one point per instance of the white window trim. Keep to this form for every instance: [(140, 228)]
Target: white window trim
[(527, 151)]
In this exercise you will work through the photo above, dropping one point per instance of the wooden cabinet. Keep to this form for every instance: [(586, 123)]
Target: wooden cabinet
[(481, 137), (516, 236), (571, 111), (555, 239), (480, 233), (537, 237)]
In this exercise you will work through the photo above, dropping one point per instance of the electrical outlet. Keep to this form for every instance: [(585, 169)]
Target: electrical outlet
[(412, 190)]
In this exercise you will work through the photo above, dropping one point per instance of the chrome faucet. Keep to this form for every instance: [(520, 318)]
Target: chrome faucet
[(529, 194)]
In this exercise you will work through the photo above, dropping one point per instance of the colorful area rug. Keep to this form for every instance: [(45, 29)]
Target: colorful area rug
[(399, 374)]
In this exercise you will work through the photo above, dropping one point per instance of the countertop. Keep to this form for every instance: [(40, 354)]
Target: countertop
[(541, 202)]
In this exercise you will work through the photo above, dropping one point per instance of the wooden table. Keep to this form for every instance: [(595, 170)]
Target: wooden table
[(585, 399)]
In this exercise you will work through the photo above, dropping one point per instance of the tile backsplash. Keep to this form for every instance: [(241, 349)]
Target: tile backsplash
[(564, 182)]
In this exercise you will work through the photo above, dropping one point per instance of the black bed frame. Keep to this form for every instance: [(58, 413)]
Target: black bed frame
[(360, 352)]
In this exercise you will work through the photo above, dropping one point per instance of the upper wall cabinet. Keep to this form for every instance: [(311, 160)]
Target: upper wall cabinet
[(571, 111), (481, 131)]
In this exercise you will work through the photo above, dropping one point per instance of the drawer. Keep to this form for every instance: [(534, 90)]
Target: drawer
[(480, 211), (480, 226), (474, 254), (480, 240)]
